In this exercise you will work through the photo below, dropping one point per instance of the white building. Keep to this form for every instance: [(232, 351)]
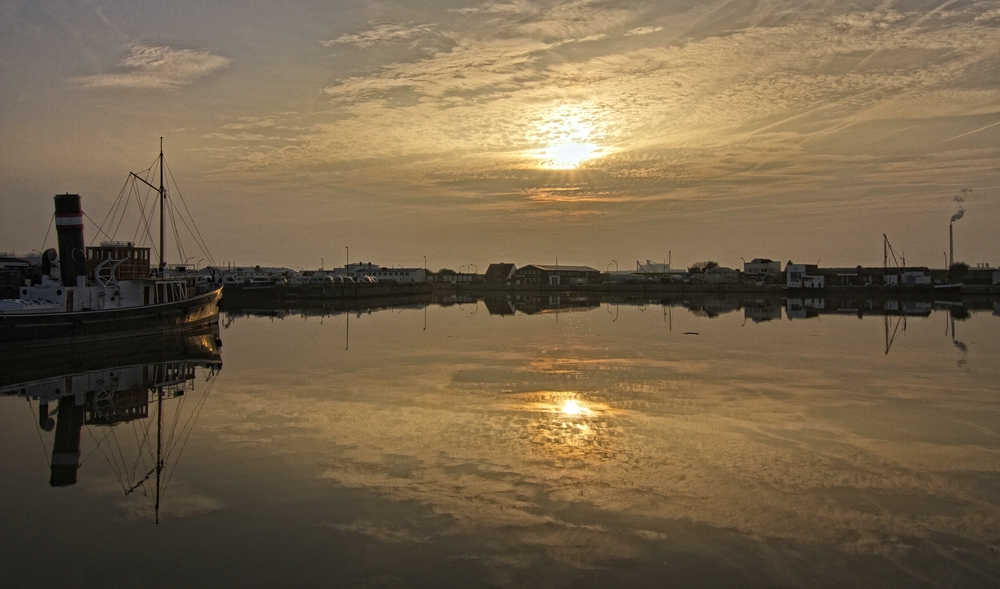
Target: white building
[(761, 267), (797, 276), (384, 274)]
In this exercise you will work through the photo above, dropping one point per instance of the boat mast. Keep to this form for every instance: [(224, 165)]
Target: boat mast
[(163, 197)]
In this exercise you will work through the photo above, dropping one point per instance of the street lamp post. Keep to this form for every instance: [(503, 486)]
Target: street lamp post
[(471, 266)]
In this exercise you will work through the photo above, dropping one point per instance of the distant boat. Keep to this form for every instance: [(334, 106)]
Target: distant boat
[(105, 292)]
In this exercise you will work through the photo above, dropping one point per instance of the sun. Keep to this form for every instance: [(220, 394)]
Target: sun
[(569, 155), (569, 137)]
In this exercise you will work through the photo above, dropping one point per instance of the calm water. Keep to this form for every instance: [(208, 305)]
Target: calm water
[(610, 445)]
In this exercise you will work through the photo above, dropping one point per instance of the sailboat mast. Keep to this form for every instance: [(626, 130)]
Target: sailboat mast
[(163, 197)]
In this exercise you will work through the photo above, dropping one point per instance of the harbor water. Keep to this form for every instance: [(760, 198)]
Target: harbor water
[(598, 444)]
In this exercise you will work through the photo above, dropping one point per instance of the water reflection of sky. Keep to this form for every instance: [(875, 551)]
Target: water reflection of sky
[(545, 451)]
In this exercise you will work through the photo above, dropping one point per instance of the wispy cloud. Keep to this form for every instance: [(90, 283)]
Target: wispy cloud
[(380, 35), (160, 68)]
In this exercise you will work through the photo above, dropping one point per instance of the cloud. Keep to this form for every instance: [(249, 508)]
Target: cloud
[(380, 35), (159, 68), (643, 31), (508, 8)]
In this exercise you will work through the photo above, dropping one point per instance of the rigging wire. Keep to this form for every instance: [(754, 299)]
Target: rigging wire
[(119, 474), (199, 240), (192, 419), (147, 221), (140, 444), (99, 230), (38, 428), (113, 206), (173, 228), (169, 446), (52, 221)]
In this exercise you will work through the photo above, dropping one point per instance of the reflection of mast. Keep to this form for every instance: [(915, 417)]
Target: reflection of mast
[(159, 449), (888, 339)]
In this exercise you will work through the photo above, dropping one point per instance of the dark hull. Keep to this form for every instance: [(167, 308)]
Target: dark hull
[(19, 332)]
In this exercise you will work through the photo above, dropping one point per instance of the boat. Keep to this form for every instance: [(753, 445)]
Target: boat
[(105, 292)]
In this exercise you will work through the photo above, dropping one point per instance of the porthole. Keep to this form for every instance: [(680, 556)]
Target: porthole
[(58, 293)]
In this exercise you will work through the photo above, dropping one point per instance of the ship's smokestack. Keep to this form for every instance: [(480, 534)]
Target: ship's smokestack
[(951, 244), (69, 227)]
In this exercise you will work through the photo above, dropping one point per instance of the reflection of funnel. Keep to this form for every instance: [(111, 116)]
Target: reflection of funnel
[(66, 450)]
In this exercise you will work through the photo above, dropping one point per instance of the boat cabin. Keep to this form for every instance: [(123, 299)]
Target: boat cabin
[(121, 260)]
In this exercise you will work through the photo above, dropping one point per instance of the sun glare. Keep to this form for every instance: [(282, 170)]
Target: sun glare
[(571, 407), (569, 155), (569, 139)]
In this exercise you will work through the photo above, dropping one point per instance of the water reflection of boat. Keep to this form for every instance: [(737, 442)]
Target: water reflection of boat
[(115, 385), (104, 292)]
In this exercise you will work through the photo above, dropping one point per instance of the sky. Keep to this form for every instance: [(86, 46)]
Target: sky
[(304, 133)]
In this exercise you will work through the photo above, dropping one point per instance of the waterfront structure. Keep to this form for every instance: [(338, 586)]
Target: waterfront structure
[(721, 275), (500, 274), (449, 276), (652, 269), (762, 268), (545, 275), (14, 271), (383, 274), (803, 276), (240, 274)]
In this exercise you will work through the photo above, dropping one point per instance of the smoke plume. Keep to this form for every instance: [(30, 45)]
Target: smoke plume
[(961, 210)]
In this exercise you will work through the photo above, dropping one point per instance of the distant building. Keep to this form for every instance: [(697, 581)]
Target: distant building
[(384, 274), (242, 274), (545, 275), (803, 276), (915, 278), (721, 275), (449, 276), (13, 272), (652, 268), (759, 268), (501, 274)]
